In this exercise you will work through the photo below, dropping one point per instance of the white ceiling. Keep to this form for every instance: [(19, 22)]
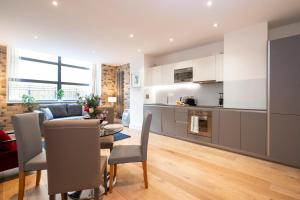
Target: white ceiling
[(99, 30)]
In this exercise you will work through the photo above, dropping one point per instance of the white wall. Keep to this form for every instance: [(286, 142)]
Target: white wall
[(245, 67), (189, 54), (284, 31)]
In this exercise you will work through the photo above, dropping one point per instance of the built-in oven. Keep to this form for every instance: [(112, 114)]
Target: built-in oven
[(183, 75), (200, 123)]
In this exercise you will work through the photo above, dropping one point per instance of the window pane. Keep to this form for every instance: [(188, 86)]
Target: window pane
[(72, 92), (36, 71), (79, 63), (37, 55), (39, 91), (74, 75)]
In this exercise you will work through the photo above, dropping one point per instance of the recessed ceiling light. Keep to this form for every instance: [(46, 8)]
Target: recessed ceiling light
[(171, 39), (209, 3), (139, 50), (131, 35), (35, 37), (215, 25), (54, 3)]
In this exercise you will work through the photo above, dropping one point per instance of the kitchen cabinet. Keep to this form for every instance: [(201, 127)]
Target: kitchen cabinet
[(254, 132), (168, 121), (204, 69), (215, 126), (156, 75), (167, 75), (284, 139), (219, 67), (183, 64), (181, 122), (230, 129), (156, 118)]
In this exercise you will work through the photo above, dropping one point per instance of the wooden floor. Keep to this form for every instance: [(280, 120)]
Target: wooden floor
[(181, 170)]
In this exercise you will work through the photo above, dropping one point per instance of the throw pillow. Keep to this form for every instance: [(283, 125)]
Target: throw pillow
[(48, 113), (6, 146)]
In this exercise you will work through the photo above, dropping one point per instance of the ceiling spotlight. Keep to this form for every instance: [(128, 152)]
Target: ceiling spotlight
[(35, 37), (171, 39), (54, 3), (131, 35), (209, 3), (139, 50), (215, 25)]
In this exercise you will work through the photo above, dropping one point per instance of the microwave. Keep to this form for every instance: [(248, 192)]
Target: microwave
[(183, 75)]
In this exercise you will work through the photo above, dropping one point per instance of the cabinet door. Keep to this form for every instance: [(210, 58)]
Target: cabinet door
[(219, 67), (215, 126), (156, 75), (183, 64), (181, 122), (284, 76), (168, 121), (230, 129), (285, 139), (204, 69), (167, 74), (254, 132), (156, 118)]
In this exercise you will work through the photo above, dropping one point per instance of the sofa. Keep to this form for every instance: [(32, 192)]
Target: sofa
[(67, 111)]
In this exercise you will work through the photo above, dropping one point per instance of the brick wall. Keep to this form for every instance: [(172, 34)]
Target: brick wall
[(6, 110), (109, 83)]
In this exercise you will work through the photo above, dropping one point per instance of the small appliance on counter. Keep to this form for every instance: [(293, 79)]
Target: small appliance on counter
[(188, 100), (221, 100)]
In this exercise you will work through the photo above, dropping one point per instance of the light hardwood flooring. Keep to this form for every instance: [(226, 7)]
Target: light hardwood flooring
[(180, 170)]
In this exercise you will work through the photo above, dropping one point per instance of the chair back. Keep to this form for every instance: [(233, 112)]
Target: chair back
[(73, 155), (28, 136), (110, 113), (145, 135)]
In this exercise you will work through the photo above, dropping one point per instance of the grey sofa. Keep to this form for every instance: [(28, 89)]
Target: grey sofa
[(62, 111)]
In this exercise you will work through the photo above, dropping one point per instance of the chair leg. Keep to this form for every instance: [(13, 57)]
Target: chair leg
[(38, 178), (52, 197), (115, 170), (96, 193), (64, 196), (21, 185), (145, 173), (105, 180), (111, 171)]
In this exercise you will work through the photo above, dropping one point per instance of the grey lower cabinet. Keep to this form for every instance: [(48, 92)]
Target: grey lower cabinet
[(285, 139), (230, 129), (168, 121), (181, 122), (156, 118), (254, 132)]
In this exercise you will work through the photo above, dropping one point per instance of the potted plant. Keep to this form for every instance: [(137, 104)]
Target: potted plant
[(28, 101), (60, 94), (90, 104)]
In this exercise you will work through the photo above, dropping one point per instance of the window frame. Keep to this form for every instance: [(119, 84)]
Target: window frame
[(58, 83)]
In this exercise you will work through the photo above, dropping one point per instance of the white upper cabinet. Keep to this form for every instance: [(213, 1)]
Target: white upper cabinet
[(167, 74), (183, 64), (219, 67), (204, 69), (156, 75)]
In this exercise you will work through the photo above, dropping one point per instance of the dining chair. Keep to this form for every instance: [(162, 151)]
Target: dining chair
[(31, 156), (73, 157), (131, 153)]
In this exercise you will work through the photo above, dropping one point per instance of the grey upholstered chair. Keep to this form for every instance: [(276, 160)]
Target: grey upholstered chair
[(73, 156), (131, 153), (31, 157)]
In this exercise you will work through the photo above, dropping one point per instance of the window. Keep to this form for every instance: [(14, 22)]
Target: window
[(41, 75)]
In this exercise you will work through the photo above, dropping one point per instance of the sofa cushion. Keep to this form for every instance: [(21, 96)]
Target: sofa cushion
[(74, 109), (48, 113), (58, 110), (11, 146), (69, 118)]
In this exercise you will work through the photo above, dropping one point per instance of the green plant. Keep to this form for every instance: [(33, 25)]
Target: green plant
[(90, 104), (28, 101), (60, 94)]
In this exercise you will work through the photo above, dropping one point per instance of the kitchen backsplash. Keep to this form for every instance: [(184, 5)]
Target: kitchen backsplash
[(205, 94)]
